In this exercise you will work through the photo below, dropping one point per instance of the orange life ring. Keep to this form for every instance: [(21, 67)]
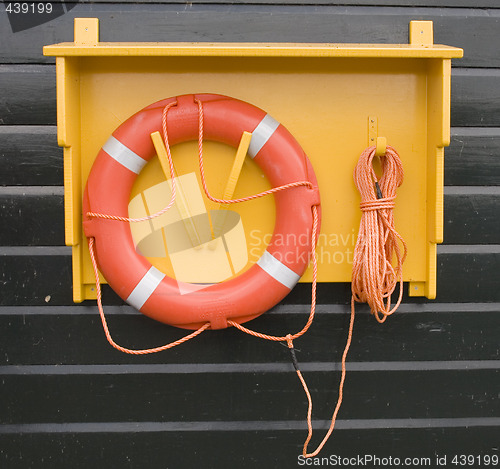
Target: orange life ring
[(143, 286)]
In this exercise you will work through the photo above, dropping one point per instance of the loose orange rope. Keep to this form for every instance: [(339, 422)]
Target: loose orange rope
[(289, 337), (105, 324), (340, 396), (312, 311)]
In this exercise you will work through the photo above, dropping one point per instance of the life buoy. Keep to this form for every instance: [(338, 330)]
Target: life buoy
[(131, 275)]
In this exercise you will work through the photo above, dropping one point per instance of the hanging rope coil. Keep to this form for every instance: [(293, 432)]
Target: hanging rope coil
[(374, 278)]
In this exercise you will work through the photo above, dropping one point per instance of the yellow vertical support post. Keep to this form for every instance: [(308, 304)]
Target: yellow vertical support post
[(68, 136), (422, 35), (86, 33)]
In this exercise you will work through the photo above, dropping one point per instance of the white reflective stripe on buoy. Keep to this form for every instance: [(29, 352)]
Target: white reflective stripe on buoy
[(262, 134), (145, 288), (124, 155), (279, 271)]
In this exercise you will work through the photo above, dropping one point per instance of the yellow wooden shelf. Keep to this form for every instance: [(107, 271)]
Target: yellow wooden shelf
[(336, 99)]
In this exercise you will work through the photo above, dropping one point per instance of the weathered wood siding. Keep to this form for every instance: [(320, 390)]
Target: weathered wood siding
[(424, 384)]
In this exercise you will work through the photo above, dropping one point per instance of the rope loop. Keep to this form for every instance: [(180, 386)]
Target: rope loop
[(386, 203)]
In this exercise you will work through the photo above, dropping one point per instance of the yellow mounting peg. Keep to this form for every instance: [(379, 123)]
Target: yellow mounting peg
[(239, 159), (380, 146), (161, 152), (181, 201), (232, 180)]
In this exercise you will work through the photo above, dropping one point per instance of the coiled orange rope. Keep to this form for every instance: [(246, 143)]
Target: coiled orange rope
[(374, 279)]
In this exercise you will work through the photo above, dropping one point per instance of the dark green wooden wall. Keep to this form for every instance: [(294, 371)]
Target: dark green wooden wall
[(424, 384)]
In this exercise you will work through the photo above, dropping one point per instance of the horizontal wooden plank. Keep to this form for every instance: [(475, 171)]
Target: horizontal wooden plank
[(261, 23), (471, 215), (263, 448), (473, 157), (243, 396), (418, 332), (34, 215), (245, 368), (36, 279), (30, 156), (27, 96), (471, 97), (243, 426), (466, 275)]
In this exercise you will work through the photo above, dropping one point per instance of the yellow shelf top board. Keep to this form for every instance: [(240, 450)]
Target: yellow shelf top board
[(190, 49)]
